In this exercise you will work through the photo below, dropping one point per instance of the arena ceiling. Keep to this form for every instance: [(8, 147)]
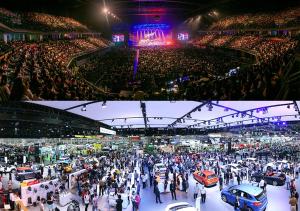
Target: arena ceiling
[(149, 10), (181, 114)]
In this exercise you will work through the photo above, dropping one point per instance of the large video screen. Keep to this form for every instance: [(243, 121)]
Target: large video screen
[(117, 38), (183, 36)]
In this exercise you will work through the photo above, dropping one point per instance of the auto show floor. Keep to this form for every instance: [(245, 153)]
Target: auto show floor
[(278, 198)]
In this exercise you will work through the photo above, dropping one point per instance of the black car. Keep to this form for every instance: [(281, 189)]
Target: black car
[(271, 178), (26, 173)]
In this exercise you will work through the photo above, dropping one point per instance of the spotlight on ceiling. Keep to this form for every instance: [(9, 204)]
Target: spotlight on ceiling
[(83, 108), (105, 10)]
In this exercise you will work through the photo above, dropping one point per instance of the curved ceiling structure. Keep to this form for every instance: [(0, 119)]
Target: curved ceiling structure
[(181, 114)]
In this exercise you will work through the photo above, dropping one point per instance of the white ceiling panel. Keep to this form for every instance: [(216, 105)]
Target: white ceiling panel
[(116, 111), (247, 105)]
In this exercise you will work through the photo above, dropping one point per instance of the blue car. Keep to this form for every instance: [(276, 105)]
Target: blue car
[(253, 196)]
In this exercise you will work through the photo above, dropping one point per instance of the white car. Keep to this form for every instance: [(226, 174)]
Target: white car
[(6, 168), (277, 164), (159, 167), (235, 168), (180, 206)]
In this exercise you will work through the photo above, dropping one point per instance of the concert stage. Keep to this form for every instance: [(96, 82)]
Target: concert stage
[(150, 35)]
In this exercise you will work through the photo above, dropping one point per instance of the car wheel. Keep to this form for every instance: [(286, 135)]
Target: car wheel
[(223, 197), (275, 183)]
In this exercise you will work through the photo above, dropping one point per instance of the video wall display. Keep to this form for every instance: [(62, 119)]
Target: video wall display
[(118, 38), (183, 36)]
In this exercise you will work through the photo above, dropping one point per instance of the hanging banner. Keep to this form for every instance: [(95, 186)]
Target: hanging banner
[(107, 131)]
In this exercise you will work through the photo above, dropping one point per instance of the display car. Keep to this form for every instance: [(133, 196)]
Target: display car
[(253, 196), (207, 178), (180, 206), (25, 173), (234, 167), (7, 168), (271, 178), (159, 167), (276, 165), (64, 165)]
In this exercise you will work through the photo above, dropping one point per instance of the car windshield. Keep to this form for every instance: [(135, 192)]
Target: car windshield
[(260, 196), (211, 176)]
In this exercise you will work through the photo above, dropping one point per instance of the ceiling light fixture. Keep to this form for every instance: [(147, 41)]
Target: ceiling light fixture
[(83, 108)]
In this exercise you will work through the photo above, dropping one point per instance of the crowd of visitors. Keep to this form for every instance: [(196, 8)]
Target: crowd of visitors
[(283, 19), (121, 175)]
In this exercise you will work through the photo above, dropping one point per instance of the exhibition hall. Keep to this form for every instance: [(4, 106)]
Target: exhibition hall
[(150, 155)]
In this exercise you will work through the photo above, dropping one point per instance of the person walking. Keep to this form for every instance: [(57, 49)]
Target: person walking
[(288, 181), (95, 202), (119, 202), (237, 203), (196, 190), (221, 182), (42, 171), (137, 201), (296, 194), (150, 178), (157, 194), (173, 190), (293, 202), (238, 178), (261, 184), (133, 201), (87, 199), (50, 201), (144, 179), (49, 171), (203, 195)]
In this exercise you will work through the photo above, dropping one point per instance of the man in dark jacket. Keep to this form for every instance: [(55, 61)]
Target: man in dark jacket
[(119, 202), (173, 190), (157, 194)]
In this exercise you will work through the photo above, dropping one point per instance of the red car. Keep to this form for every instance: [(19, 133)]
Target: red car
[(207, 178)]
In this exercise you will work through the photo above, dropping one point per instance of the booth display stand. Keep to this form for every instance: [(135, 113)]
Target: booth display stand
[(31, 194)]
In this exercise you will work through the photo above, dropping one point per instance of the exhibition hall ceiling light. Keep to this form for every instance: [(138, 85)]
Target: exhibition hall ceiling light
[(83, 108)]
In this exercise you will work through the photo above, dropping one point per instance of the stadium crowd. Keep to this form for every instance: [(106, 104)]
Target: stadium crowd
[(158, 72), (199, 73), (283, 19), (39, 70), (40, 22)]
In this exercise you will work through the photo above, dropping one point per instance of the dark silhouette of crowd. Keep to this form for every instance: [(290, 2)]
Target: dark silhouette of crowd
[(39, 70)]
